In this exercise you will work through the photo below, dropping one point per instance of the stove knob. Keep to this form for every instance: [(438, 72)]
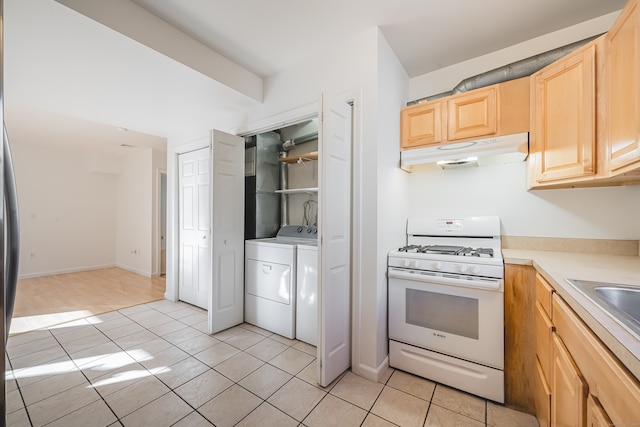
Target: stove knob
[(475, 270), (437, 266), (416, 264), (407, 263), (463, 269)]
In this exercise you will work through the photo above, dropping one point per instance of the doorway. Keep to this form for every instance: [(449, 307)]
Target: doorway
[(162, 239)]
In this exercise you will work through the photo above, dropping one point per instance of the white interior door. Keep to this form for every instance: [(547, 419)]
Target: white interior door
[(195, 231), (226, 308), (334, 224)]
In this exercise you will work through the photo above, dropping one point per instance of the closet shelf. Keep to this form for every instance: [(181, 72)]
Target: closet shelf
[(309, 190), (297, 158)]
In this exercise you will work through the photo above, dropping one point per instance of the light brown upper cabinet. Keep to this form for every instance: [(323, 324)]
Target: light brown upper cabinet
[(421, 125), (622, 94), (500, 109), (473, 114), (562, 142), (585, 112)]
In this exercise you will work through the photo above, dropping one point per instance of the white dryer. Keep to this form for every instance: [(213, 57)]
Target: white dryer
[(307, 293), (270, 279)]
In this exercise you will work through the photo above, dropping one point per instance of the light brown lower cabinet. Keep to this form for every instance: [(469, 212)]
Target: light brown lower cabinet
[(586, 384), (542, 397), (596, 416), (568, 389), (556, 367)]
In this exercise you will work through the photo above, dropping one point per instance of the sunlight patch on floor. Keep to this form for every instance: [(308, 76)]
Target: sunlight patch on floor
[(24, 324), (102, 362)]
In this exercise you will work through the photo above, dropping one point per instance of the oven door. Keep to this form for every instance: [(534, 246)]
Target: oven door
[(434, 313)]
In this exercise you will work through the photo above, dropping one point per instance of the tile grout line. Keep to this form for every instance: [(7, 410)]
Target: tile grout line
[(84, 375), (210, 367), (79, 369), (24, 404)]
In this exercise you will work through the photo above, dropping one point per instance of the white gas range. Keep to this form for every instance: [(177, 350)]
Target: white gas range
[(446, 303)]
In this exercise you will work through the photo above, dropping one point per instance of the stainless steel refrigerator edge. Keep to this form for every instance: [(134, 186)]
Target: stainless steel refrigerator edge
[(2, 221), (9, 227)]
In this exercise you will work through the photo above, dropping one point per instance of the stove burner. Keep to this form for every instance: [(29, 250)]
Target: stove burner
[(448, 250), (442, 249), (409, 248), (477, 252)]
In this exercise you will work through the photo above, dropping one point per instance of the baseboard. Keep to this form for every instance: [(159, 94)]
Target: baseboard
[(133, 270), (374, 374), (65, 271)]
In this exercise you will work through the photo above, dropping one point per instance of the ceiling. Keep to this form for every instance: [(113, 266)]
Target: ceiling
[(62, 67), (270, 36)]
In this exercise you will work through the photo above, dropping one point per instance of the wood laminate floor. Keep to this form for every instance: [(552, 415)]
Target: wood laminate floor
[(45, 301)]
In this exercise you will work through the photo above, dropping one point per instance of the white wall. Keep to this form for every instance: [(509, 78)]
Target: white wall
[(82, 211), (137, 220), (597, 213), (67, 212), (591, 213), (385, 212)]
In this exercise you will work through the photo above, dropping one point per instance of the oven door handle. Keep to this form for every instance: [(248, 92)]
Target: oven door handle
[(440, 278)]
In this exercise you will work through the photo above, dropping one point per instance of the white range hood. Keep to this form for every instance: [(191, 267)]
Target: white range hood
[(495, 150)]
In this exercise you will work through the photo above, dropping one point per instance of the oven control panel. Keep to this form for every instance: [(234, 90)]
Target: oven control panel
[(449, 224)]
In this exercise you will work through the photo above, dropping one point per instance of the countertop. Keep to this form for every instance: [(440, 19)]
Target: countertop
[(556, 267)]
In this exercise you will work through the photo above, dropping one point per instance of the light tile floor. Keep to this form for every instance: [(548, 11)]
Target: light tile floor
[(155, 365)]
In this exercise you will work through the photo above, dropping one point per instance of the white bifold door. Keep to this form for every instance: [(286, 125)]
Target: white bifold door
[(334, 243), (211, 219), (195, 230)]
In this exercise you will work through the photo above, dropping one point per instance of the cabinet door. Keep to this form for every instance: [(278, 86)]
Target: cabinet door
[(568, 390), (544, 294), (622, 65), (596, 415), (473, 114), (563, 134), (421, 125), (542, 397), (544, 331)]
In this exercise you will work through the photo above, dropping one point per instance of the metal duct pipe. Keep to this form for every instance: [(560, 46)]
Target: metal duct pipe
[(290, 143), (515, 70), (284, 185)]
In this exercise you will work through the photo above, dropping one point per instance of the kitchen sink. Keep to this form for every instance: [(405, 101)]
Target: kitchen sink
[(620, 302)]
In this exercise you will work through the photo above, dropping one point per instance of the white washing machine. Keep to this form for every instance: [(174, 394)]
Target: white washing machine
[(270, 279), (307, 293)]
